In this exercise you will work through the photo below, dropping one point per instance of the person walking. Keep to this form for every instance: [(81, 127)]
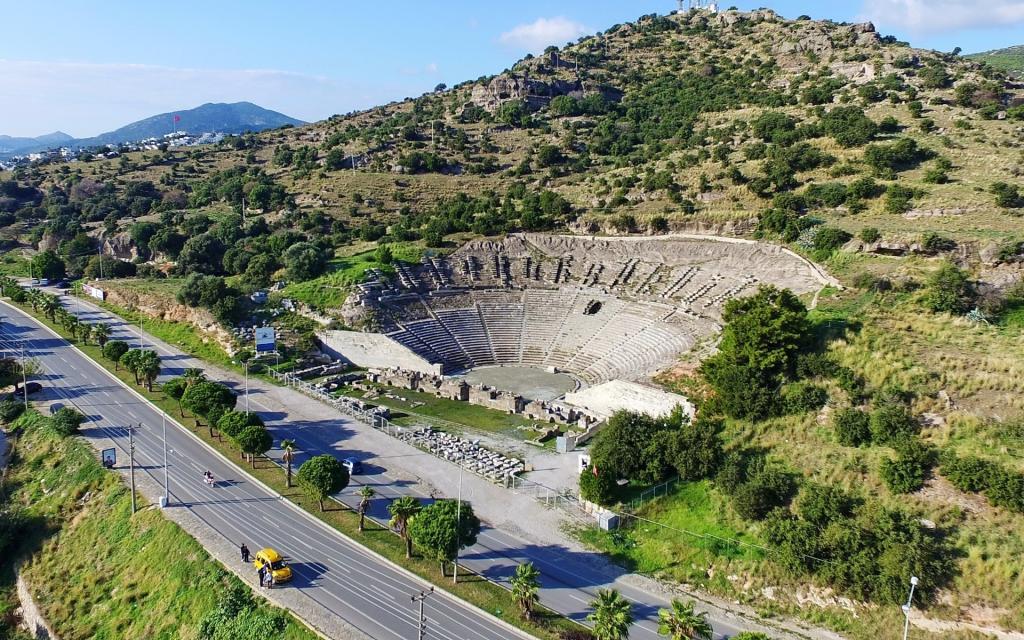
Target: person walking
[(245, 553)]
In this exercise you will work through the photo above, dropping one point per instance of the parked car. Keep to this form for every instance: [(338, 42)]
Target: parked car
[(354, 466), (44, 282), (272, 559)]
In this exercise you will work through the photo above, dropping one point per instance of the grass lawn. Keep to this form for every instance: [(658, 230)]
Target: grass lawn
[(697, 521), (331, 289), (96, 570), (445, 411), (472, 588)]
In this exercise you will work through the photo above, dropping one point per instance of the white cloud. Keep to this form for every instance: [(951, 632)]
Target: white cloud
[(540, 33), (929, 16), (85, 99)]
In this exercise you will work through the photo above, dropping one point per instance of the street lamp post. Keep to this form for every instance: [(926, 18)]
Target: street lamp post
[(906, 607), (131, 462), (167, 482)]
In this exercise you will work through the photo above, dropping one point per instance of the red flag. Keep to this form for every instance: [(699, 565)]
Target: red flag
[(177, 118)]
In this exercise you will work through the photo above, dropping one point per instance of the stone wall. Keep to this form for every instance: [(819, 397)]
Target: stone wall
[(31, 617)]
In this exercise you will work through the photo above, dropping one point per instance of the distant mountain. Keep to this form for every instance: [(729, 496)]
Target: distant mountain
[(10, 144), (238, 117), (1010, 59)]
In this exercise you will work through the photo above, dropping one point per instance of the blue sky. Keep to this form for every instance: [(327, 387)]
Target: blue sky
[(85, 68)]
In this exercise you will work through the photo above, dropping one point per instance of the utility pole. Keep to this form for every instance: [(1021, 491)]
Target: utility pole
[(24, 376), (131, 462), (247, 385), (458, 521), (243, 209), (906, 607), (99, 251), (167, 482), (421, 622)]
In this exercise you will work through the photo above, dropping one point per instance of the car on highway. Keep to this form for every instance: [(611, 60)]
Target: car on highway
[(353, 466), (44, 282), (19, 392), (275, 563)]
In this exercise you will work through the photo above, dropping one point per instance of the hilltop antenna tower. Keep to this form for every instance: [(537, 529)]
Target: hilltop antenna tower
[(689, 5)]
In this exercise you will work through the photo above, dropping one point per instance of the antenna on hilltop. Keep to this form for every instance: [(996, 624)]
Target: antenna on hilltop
[(689, 5)]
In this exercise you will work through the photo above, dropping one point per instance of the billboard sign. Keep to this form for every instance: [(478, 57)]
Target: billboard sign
[(266, 340), (95, 292), (109, 457)]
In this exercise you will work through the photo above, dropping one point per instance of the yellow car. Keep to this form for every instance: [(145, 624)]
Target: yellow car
[(278, 567)]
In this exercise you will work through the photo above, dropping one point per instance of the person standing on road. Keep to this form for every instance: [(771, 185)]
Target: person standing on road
[(245, 553), (263, 576)]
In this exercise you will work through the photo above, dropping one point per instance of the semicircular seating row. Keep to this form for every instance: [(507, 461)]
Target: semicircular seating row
[(546, 328)]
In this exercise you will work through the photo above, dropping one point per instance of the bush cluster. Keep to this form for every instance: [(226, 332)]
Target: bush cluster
[(1003, 487), (858, 547), (649, 450)]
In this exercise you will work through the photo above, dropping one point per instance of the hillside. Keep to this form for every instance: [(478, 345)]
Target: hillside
[(96, 570), (897, 169), (1010, 59)]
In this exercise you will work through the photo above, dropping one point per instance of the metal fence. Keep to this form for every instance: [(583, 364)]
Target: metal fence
[(554, 498), (652, 493)]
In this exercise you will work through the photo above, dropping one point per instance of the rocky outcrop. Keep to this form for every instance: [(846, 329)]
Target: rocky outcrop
[(118, 245), (161, 308), (31, 617), (511, 87)]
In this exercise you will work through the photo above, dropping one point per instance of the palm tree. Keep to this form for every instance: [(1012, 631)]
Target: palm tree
[(365, 493), (612, 615), (35, 298), (288, 447), (72, 324), (149, 367), (681, 622), (525, 585), (193, 375), (402, 511), (86, 331), (102, 334), (50, 305)]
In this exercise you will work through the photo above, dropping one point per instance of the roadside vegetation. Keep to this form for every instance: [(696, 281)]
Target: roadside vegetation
[(96, 570)]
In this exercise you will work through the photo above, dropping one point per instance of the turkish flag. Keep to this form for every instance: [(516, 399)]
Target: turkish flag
[(177, 118)]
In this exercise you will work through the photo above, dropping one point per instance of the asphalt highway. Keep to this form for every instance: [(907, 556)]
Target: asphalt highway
[(325, 564), (342, 576)]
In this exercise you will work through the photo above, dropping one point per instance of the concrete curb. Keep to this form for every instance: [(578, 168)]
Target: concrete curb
[(412, 576)]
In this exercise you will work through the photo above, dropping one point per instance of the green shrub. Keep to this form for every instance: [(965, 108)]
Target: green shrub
[(765, 491), (892, 422), (66, 421), (1008, 196), (10, 410), (898, 199), (969, 473), (909, 470), (598, 486), (949, 290), (852, 426), (849, 126), (828, 239), (870, 235), (801, 397)]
